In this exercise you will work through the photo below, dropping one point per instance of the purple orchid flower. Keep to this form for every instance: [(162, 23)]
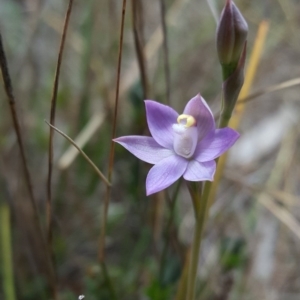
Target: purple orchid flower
[(181, 145)]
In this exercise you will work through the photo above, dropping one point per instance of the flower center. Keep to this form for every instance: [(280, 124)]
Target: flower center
[(186, 136)]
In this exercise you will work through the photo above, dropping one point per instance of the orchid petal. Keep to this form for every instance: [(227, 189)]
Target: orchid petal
[(160, 119), (198, 108), (144, 148), (166, 172), (197, 171), (215, 144)]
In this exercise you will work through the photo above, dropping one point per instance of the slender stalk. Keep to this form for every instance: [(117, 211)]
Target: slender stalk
[(89, 37), (240, 107), (50, 149), (201, 211), (269, 89), (182, 286), (168, 228), (101, 254), (192, 276), (7, 264), (12, 103), (224, 119), (99, 173), (139, 46), (52, 121), (166, 60), (201, 202), (166, 51), (195, 189)]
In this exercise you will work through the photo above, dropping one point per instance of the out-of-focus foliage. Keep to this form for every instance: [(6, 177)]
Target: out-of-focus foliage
[(251, 246)]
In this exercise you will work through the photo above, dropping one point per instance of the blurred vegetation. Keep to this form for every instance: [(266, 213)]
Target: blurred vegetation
[(251, 247)]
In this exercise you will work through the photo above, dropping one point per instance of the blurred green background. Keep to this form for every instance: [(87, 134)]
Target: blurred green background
[(251, 248)]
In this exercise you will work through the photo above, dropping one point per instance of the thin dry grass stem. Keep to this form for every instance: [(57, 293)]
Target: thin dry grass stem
[(56, 23), (137, 19), (156, 38), (96, 121), (269, 194), (150, 49), (33, 25), (6, 253), (165, 51), (213, 9), (291, 16), (240, 108), (283, 197), (71, 153), (152, 46), (252, 68), (52, 121), (12, 103), (270, 89), (281, 213), (101, 254), (90, 36), (99, 173), (277, 176)]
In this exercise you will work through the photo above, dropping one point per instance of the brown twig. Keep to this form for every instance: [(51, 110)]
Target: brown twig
[(12, 103), (269, 89), (101, 255), (166, 51), (139, 46), (52, 121), (99, 173), (263, 91), (87, 57)]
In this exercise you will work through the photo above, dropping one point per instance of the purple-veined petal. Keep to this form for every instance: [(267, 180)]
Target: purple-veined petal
[(160, 119), (215, 144), (197, 171), (198, 108), (144, 148), (166, 172)]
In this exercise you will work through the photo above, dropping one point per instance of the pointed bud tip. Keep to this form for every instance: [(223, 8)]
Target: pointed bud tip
[(232, 33)]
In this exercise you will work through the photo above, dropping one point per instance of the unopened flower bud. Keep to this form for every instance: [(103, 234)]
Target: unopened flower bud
[(232, 33), (232, 86)]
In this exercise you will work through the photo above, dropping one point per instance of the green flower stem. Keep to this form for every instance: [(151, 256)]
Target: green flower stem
[(209, 186), (182, 287), (168, 229), (195, 189), (201, 211), (224, 119), (201, 207), (201, 202), (7, 265)]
